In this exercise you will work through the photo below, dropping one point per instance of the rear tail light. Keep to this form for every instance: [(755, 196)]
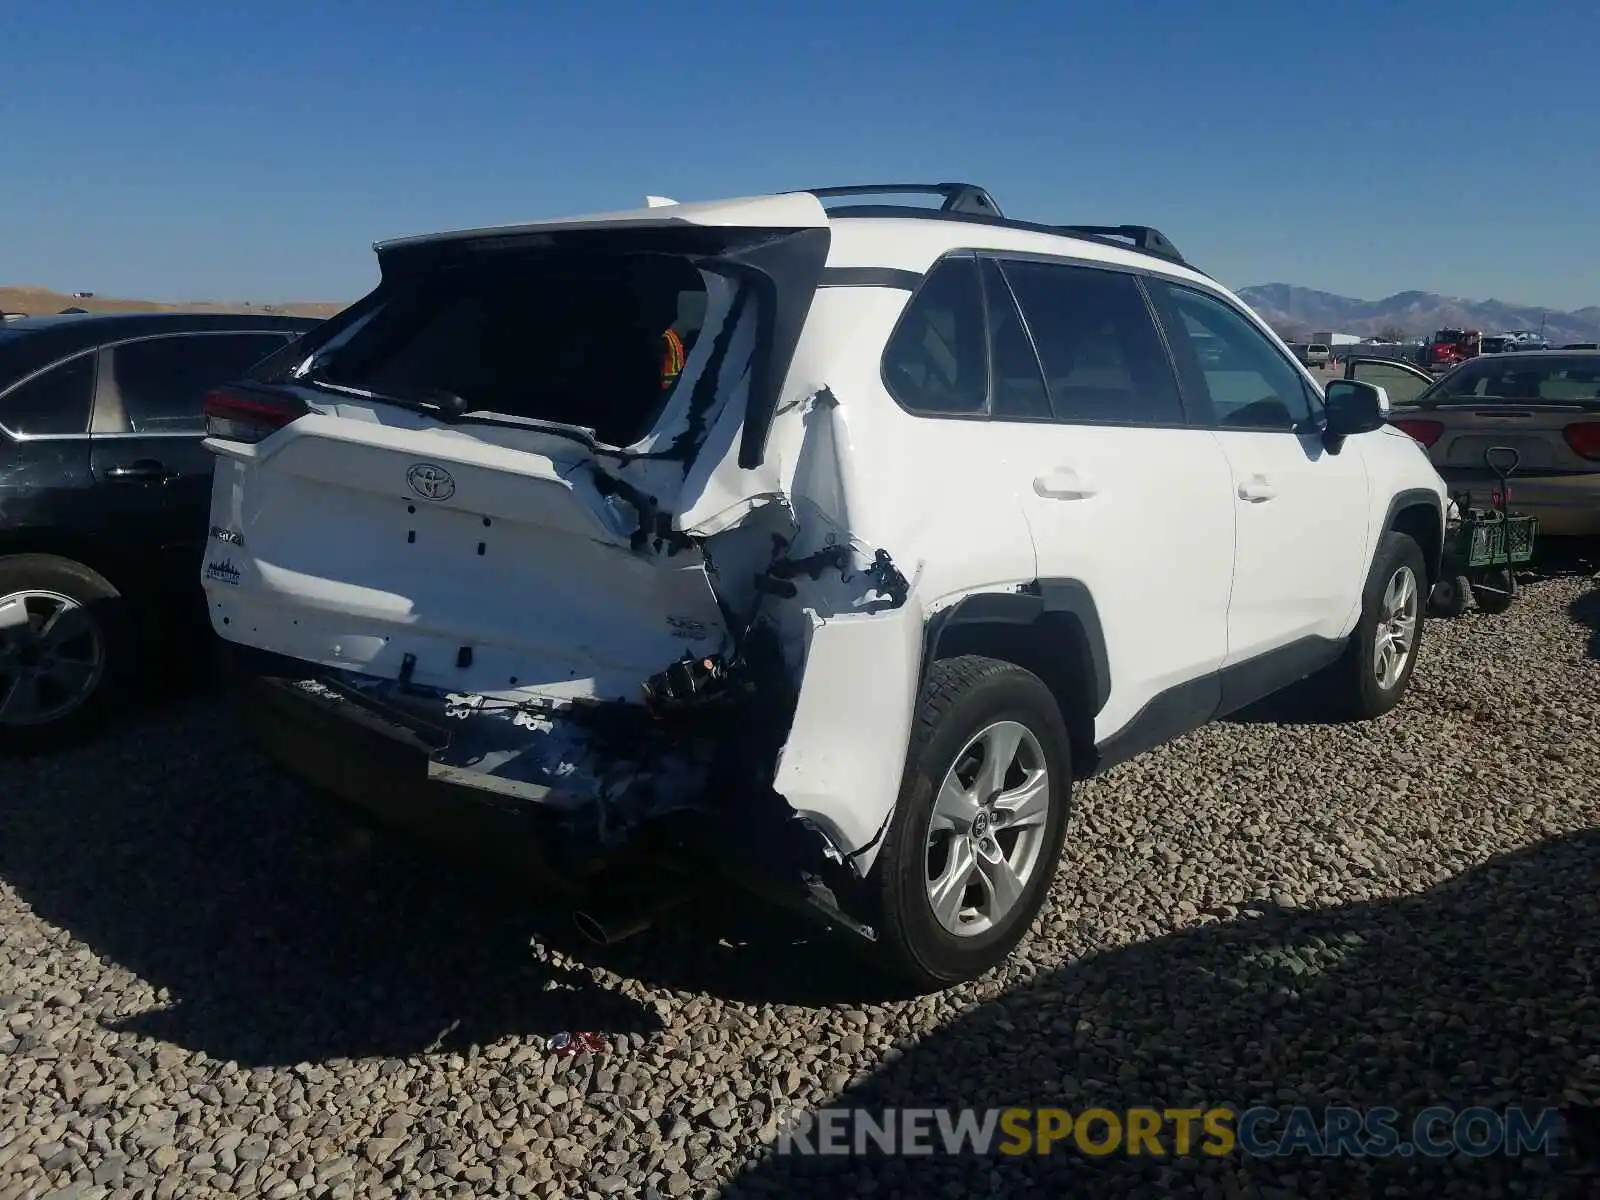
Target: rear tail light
[(1426, 432), (1584, 438), (238, 416)]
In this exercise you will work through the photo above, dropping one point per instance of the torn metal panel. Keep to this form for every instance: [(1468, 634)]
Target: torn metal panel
[(707, 386), (857, 697), (715, 493)]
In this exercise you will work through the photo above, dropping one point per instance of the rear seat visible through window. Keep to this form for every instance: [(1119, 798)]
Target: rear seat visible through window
[(1103, 359)]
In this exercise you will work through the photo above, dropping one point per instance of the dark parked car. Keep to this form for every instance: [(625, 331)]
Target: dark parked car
[(104, 493)]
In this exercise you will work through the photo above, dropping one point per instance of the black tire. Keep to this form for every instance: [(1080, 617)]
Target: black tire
[(1495, 591), (1350, 689), (107, 609), (960, 698), (1449, 597)]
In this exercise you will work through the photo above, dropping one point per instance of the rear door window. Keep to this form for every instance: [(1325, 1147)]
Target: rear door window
[(53, 403), (158, 384), (1103, 357), (1018, 381)]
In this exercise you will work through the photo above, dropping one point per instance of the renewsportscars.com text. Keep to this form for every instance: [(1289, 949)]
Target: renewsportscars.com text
[(1161, 1132)]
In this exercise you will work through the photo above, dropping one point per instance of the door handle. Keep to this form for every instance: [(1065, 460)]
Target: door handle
[(1063, 483), (143, 470), (1256, 490)]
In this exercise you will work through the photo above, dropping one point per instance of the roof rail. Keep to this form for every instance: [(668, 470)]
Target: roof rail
[(958, 197), (1143, 237), (968, 201)]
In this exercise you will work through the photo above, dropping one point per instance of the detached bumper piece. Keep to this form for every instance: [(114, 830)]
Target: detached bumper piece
[(596, 806), (381, 765)]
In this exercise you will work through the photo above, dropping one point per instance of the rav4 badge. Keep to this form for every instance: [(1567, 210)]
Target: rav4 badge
[(431, 482)]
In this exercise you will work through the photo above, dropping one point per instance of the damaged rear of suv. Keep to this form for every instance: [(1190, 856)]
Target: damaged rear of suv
[(489, 572), (471, 520)]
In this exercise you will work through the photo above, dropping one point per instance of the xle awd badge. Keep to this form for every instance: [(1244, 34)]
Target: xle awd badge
[(431, 482)]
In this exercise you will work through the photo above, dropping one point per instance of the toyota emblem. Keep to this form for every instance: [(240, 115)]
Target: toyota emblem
[(431, 482)]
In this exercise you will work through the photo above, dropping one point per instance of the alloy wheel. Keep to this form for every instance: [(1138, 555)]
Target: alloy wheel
[(1396, 633), (987, 830), (52, 657)]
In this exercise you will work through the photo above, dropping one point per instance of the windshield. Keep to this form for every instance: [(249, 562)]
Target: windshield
[(1551, 379), (593, 341)]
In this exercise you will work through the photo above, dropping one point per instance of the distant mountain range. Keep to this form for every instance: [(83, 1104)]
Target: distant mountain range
[(1292, 310), (43, 301), (1301, 311)]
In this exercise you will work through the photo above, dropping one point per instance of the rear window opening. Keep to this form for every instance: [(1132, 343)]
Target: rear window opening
[(582, 341)]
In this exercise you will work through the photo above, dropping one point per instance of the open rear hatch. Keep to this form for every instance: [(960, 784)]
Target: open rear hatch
[(477, 479)]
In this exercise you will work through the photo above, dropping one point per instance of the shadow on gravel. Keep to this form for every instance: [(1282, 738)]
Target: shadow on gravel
[(1483, 991), (743, 950), (283, 932), (1563, 557), (1586, 611), (1298, 704)]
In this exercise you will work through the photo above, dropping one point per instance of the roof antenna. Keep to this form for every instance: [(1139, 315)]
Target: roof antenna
[(659, 201)]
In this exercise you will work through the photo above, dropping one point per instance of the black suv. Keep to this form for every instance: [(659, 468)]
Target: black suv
[(104, 494)]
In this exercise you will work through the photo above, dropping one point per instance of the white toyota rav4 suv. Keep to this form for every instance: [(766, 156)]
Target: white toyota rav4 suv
[(943, 512)]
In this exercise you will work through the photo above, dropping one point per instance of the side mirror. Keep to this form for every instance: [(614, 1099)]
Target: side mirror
[(1353, 407)]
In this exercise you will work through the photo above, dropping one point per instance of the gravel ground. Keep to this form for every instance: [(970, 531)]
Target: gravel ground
[(211, 985)]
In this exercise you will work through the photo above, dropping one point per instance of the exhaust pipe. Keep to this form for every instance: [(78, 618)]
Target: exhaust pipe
[(608, 923)]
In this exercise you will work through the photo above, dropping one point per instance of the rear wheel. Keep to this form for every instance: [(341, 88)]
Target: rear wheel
[(64, 648), (1371, 676), (977, 831)]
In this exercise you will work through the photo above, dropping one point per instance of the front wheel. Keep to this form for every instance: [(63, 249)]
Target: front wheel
[(1371, 676), (977, 830)]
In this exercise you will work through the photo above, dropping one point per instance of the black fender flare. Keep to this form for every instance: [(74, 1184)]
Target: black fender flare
[(1024, 606), (1417, 498)]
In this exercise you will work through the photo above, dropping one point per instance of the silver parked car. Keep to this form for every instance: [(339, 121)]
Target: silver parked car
[(1544, 404)]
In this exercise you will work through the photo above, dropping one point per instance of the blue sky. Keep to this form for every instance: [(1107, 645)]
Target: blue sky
[(184, 150)]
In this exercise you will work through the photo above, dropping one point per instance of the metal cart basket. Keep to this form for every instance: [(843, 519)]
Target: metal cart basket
[(1484, 546)]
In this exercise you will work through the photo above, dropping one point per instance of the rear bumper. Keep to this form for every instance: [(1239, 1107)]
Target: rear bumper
[(1566, 505), (351, 756), (361, 758)]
